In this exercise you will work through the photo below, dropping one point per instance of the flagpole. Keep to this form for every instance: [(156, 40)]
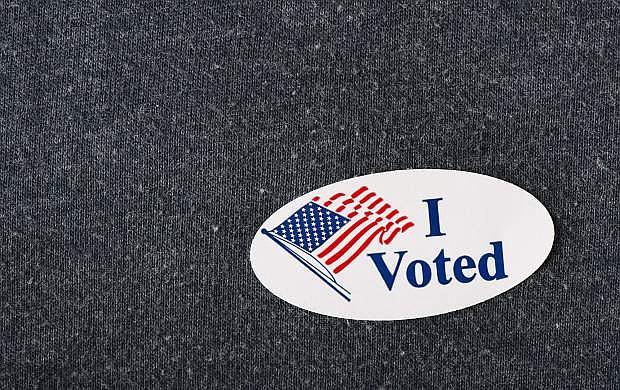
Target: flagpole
[(343, 292)]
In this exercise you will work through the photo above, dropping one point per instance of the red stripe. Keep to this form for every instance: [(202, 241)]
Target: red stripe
[(391, 237), (352, 242), (364, 199), (391, 214), (376, 202), (386, 230), (383, 208), (343, 236), (407, 226), (359, 191), (357, 252), (355, 232)]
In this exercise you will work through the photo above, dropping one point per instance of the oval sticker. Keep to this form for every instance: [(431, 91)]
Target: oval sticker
[(402, 244)]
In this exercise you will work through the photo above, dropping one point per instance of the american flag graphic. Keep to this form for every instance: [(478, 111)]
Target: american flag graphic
[(328, 234)]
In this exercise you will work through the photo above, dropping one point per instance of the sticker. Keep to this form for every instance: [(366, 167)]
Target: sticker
[(402, 244)]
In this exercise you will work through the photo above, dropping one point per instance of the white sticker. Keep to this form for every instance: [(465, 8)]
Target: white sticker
[(402, 244)]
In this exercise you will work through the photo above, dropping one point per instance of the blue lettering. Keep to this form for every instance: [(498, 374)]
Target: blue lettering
[(498, 256), (459, 267), (440, 264), (426, 273), (388, 277), (433, 217), (421, 279)]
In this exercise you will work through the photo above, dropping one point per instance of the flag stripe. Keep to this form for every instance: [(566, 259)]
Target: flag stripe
[(392, 214), (342, 236), (383, 208), (357, 225), (367, 197), (360, 207), (375, 203), (359, 191), (407, 226), (351, 237), (349, 244), (391, 236), (384, 230), (359, 250)]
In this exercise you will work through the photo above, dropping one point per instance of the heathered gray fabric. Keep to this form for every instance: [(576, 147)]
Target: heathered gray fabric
[(142, 145)]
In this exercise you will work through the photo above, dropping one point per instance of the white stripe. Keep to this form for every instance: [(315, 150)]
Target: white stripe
[(348, 239), (353, 248)]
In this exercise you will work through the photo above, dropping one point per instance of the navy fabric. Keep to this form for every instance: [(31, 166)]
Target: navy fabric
[(142, 145)]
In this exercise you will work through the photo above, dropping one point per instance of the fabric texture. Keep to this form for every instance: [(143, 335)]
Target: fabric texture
[(143, 144)]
